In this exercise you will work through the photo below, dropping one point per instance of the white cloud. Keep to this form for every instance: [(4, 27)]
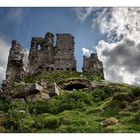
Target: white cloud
[(86, 52), (121, 61), (118, 23), (121, 53), (4, 51), (83, 13)]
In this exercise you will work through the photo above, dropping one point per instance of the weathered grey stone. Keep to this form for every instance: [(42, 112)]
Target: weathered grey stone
[(109, 121), (21, 111), (31, 92), (17, 63), (57, 89), (19, 100), (41, 54), (64, 58), (37, 97), (92, 65), (44, 56), (35, 88)]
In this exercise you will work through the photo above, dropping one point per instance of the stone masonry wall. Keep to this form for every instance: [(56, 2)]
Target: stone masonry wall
[(93, 64), (41, 53), (44, 56), (64, 58)]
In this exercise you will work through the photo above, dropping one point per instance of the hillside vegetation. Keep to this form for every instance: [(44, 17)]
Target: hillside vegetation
[(76, 111)]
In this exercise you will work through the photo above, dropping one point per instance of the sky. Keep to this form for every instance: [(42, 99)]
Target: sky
[(113, 32)]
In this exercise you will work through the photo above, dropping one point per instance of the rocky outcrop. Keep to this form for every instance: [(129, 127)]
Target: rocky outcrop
[(92, 65), (32, 92), (17, 63)]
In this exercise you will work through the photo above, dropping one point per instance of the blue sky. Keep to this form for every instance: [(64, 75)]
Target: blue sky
[(23, 23)]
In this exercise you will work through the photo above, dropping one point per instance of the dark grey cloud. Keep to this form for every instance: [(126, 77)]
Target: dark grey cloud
[(121, 61)]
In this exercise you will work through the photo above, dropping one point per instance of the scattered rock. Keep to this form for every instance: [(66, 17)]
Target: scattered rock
[(35, 88), (57, 89), (21, 111), (19, 100), (109, 121)]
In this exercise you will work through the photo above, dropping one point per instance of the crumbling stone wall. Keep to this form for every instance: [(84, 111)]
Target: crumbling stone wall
[(17, 63), (64, 58), (41, 53), (44, 56), (93, 65)]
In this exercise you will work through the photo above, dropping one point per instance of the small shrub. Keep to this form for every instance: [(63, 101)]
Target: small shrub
[(16, 121), (4, 105), (74, 100), (51, 122), (2, 129), (136, 118)]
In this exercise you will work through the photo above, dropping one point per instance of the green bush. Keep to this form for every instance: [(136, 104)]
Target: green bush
[(50, 122), (74, 100), (102, 94), (18, 121), (4, 105), (136, 118), (94, 77)]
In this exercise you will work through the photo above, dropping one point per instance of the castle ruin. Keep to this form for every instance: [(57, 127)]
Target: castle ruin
[(44, 55)]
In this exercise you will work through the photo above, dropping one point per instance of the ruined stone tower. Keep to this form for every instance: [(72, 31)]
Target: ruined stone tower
[(64, 58), (17, 63), (92, 65)]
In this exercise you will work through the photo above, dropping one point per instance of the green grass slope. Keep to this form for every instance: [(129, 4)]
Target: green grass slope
[(74, 111)]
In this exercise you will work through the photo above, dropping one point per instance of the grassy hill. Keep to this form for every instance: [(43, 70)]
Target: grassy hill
[(76, 111)]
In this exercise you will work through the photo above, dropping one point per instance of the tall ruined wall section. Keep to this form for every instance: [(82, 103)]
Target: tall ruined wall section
[(17, 63), (93, 65), (64, 58), (41, 53)]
